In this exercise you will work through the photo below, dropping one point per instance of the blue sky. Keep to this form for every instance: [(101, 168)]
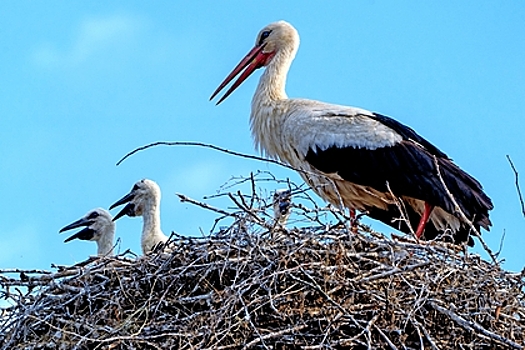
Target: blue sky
[(83, 83)]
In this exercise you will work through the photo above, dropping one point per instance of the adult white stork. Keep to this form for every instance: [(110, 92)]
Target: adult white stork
[(99, 228), (353, 156), (144, 200)]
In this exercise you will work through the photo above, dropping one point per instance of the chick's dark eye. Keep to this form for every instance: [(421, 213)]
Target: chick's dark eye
[(93, 215), (264, 35)]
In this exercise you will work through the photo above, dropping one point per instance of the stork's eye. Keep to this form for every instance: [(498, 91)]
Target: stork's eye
[(264, 35), (93, 215)]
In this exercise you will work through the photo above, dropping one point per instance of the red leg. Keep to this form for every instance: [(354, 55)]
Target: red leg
[(424, 220), (353, 220)]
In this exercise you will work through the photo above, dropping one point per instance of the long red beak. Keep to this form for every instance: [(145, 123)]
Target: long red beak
[(255, 59)]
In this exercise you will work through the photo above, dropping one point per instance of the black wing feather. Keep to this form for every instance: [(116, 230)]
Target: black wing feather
[(408, 134), (409, 169)]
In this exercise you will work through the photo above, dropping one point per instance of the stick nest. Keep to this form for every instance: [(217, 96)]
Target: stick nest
[(254, 284)]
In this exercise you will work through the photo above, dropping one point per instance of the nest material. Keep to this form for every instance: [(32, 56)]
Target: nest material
[(309, 288), (257, 285)]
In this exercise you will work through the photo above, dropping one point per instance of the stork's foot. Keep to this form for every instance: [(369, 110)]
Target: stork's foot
[(354, 221), (353, 226)]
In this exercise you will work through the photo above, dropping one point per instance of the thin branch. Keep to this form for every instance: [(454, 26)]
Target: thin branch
[(205, 145), (40, 272), (384, 336), (402, 210), (249, 212), (517, 184), (463, 216), (274, 335), (473, 326), (183, 198)]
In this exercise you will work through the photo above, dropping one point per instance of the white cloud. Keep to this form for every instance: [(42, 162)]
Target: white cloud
[(93, 37), (198, 179), (120, 43)]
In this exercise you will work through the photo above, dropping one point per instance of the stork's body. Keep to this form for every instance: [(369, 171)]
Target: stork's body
[(351, 156), (144, 200), (99, 227)]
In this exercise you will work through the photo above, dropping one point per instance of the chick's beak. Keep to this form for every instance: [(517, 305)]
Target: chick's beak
[(78, 223), (129, 209)]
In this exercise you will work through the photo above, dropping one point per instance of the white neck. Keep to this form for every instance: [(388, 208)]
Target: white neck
[(269, 104), (273, 81), (106, 242), (151, 231)]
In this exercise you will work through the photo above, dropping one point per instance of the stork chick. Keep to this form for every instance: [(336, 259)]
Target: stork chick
[(353, 157), (282, 202), (99, 228), (144, 200)]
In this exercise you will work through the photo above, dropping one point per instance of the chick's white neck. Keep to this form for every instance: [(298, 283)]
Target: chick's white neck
[(151, 231), (106, 242)]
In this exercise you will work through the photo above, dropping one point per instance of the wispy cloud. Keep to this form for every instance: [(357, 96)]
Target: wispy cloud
[(198, 179), (93, 37), (119, 43)]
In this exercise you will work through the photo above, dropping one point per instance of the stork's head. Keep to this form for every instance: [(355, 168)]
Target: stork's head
[(282, 201), (144, 192), (97, 222), (273, 41)]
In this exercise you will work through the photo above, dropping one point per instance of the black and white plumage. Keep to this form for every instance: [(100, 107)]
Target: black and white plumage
[(282, 202), (354, 157), (144, 200), (99, 227)]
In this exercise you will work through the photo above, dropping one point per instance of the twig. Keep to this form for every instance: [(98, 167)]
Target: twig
[(183, 198), (473, 326), (433, 345), (274, 335), (402, 209), (249, 212), (40, 272), (205, 145), (517, 184), (463, 216), (393, 271), (383, 335)]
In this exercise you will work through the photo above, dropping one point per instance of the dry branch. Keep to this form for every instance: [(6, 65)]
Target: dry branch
[(204, 145), (473, 229), (517, 184)]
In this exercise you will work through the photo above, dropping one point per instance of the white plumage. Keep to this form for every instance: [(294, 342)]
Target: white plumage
[(99, 227), (353, 156), (144, 200)]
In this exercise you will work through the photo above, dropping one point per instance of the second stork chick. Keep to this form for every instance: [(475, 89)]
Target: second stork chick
[(99, 227), (144, 200), (282, 202)]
